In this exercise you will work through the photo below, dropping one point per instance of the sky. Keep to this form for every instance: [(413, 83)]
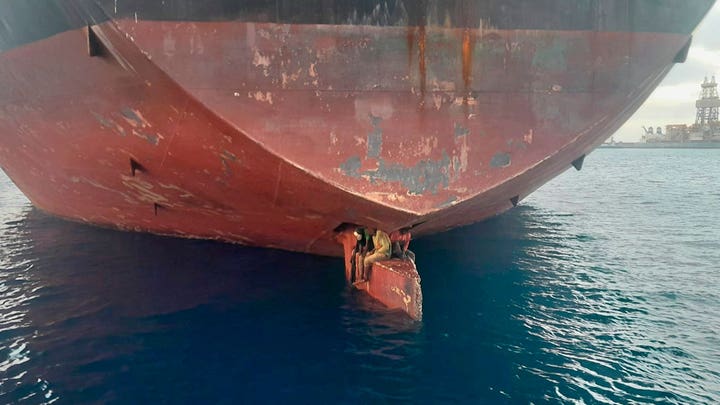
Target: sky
[(673, 102)]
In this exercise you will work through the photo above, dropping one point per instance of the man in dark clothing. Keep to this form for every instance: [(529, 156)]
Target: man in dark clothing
[(400, 242), (363, 245)]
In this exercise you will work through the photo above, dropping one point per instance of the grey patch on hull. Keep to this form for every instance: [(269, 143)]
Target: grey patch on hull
[(227, 157), (130, 114), (461, 130), (351, 166), (226, 154), (108, 124), (517, 144), (374, 141), (151, 138), (104, 122), (500, 160), (426, 176)]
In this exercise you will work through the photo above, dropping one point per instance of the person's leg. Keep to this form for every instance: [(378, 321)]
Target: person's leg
[(359, 260), (353, 266), (397, 250), (367, 263), (409, 254)]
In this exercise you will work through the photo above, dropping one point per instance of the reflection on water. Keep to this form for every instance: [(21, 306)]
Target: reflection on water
[(558, 300)]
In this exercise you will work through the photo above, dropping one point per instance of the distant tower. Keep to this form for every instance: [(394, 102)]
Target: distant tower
[(708, 104)]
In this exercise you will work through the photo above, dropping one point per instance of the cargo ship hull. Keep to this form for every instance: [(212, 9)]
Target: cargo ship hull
[(275, 126)]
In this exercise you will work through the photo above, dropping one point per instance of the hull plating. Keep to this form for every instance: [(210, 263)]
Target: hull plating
[(274, 135)]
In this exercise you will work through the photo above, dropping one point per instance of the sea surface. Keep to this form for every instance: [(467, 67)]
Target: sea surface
[(601, 287)]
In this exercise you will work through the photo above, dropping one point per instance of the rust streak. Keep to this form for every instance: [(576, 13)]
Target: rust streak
[(468, 43), (422, 42), (410, 45)]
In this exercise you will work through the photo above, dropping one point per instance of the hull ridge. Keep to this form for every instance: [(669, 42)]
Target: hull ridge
[(271, 124)]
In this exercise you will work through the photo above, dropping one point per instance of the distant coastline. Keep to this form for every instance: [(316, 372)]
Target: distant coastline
[(661, 145), (703, 134)]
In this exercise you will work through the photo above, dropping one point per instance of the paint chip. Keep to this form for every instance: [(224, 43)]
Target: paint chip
[(500, 160)]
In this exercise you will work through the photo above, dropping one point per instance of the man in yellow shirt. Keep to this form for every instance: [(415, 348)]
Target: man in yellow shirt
[(381, 242)]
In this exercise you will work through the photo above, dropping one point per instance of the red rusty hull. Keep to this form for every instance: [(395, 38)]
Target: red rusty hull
[(396, 284), (275, 135)]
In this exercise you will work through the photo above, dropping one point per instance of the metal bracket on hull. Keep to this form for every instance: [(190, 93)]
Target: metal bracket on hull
[(98, 44), (94, 45), (135, 167), (682, 55), (578, 163)]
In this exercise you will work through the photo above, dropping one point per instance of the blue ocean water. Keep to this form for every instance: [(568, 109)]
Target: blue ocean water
[(602, 287)]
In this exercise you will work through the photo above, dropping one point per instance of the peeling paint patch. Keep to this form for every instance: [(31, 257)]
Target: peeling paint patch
[(351, 167), (152, 139), (226, 158), (394, 197), (460, 130), (427, 146), (266, 97), (227, 155), (374, 141), (425, 176), (528, 138), (407, 299), (134, 118), (500, 160), (288, 78), (104, 122), (92, 183), (184, 193), (261, 60), (109, 124), (143, 190)]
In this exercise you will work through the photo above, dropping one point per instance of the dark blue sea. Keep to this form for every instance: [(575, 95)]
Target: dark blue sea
[(602, 287)]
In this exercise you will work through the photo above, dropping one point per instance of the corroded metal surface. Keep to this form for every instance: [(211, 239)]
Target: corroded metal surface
[(415, 124), (275, 134), (396, 283)]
